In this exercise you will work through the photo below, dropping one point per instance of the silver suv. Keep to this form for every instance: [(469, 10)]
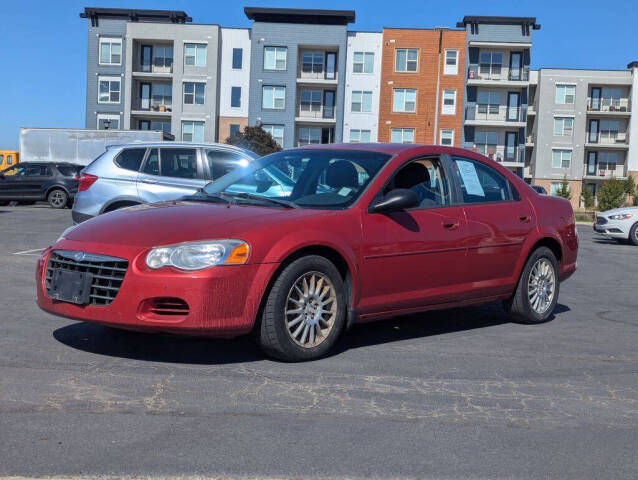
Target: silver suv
[(132, 174)]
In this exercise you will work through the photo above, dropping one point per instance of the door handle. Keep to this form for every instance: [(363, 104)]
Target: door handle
[(148, 180), (450, 224), (525, 219)]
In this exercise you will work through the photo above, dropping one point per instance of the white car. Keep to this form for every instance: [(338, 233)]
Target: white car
[(620, 223)]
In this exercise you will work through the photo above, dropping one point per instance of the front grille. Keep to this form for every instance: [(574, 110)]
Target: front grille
[(108, 272), (601, 220)]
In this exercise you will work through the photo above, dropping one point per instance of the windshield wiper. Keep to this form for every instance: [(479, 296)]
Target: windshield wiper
[(276, 201), (203, 196)]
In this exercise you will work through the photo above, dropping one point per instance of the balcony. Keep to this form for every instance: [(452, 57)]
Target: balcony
[(496, 115), (608, 106), (315, 113), (605, 139), (494, 75), (508, 156), (605, 172), (317, 67)]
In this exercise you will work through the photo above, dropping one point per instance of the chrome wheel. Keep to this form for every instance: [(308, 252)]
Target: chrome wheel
[(57, 199), (311, 309), (541, 286)]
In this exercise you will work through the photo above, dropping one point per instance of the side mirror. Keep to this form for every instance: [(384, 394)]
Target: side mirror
[(395, 201)]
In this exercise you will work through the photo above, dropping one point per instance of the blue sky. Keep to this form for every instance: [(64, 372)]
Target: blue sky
[(43, 42)]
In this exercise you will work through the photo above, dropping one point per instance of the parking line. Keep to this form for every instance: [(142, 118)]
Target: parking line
[(34, 251)]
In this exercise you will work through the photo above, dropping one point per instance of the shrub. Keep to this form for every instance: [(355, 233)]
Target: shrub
[(563, 189), (255, 139), (612, 194), (588, 198)]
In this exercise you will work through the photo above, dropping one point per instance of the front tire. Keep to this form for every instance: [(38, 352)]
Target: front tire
[(537, 290), (633, 234), (305, 311), (57, 198)]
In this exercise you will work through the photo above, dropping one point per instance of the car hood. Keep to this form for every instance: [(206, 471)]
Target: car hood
[(614, 211), (183, 221)]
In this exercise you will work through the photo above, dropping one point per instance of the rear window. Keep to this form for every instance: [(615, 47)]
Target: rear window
[(68, 170), (178, 162), (130, 159)]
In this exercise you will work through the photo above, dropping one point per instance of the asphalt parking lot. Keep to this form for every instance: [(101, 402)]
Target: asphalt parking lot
[(455, 394)]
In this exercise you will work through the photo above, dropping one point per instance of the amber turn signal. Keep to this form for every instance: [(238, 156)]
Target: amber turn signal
[(238, 255)]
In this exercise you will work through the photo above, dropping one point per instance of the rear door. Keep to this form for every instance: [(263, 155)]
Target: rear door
[(170, 173), (498, 222), (32, 185)]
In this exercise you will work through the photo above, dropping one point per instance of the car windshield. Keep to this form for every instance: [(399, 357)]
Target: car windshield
[(330, 179)]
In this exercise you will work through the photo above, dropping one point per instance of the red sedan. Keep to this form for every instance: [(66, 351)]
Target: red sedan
[(299, 245)]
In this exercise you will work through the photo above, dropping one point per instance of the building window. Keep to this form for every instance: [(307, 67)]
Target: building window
[(155, 126), (607, 161), (312, 62), (275, 58), (192, 131), (402, 135), (276, 132), (563, 126), (554, 187), (195, 54), (109, 90), (163, 58), (238, 54), (274, 97), (194, 93), (449, 102), (234, 129), (361, 101), (363, 62), (235, 96), (488, 102), (309, 135), (490, 63), (447, 137), (609, 130), (486, 142), (561, 158), (359, 136), (406, 60), (451, 62), (404, 100), (110, 51), (310, 101), (105, 120), (565, 94), (162, 94)]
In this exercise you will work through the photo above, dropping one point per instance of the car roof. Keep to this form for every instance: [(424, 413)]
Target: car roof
[(389, 148), (175, 144)]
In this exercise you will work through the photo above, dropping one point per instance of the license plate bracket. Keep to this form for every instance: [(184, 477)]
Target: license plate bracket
[(71, 287)]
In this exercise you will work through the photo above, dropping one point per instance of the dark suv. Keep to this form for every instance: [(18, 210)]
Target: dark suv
[(57, 183)]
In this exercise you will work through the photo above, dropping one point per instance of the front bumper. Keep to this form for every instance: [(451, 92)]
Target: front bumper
[(79, 217), (612, 229), (222, 301)]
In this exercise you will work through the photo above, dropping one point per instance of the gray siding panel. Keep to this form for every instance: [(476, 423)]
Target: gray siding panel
[(106, 28), (291, 36), (499, 33)]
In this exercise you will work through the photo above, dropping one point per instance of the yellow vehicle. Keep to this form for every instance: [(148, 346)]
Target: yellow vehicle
[(8, 158)]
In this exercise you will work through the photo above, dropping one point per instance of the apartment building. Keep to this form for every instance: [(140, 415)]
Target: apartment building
[(497, 87), (422, 80), (363, 82), (582, 128), (298, 68), (234, 81)]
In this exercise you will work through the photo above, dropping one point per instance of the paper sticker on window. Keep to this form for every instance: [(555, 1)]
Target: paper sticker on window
[(344, 191), (470, 179)]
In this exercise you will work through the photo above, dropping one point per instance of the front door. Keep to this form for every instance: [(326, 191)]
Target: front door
[(145, 96), (513, 104), (595, 98), (515, 66), (592, 163), (11, 185), (510, 146), (414, 258), (498, 222)]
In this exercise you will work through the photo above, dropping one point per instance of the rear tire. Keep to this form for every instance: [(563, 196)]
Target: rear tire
[(537, 290), (633, 234), (58, 198), (305, 311)]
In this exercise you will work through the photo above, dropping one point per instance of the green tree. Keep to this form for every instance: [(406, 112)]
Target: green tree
[(255, 139), (563, 189), (612, 194), (588, 198), (630, 188)]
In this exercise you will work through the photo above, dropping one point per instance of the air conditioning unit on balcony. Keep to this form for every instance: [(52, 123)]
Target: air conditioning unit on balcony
[(602, 173)]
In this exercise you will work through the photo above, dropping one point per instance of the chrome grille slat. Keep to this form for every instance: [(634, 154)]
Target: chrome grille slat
[(108, 274)]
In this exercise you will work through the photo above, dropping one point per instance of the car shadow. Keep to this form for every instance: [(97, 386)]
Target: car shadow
[(153, 347)]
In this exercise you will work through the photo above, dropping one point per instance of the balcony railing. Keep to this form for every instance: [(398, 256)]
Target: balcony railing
[(607, 138), (161, 105), (607, 171), (496, 113), (501, 153), (316, 111), (495, 72), (608, 104)]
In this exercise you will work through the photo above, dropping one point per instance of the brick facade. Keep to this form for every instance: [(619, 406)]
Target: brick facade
[(424, 80), (224, 126)]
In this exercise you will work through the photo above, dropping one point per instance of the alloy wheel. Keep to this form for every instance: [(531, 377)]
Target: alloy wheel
[(541, 286), (57, 199), (311, 309)]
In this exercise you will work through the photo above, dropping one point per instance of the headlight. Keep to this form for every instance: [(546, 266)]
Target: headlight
[(66, 232), (198, 255), (620, 216)]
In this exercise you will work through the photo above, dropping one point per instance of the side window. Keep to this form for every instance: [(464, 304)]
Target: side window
[(220, 162), (17, 171), (178, 162), (424, 176), (152, 163), (68, 170), (130, 159), (35, 170), (9, 160), (480, 183)]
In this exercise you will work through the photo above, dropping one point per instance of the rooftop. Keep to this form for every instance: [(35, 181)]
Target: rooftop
[(134, 15), (295, 15), (468, 19)]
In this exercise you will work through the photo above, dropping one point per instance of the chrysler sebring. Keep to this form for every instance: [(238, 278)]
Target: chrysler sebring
[(366, 232)]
